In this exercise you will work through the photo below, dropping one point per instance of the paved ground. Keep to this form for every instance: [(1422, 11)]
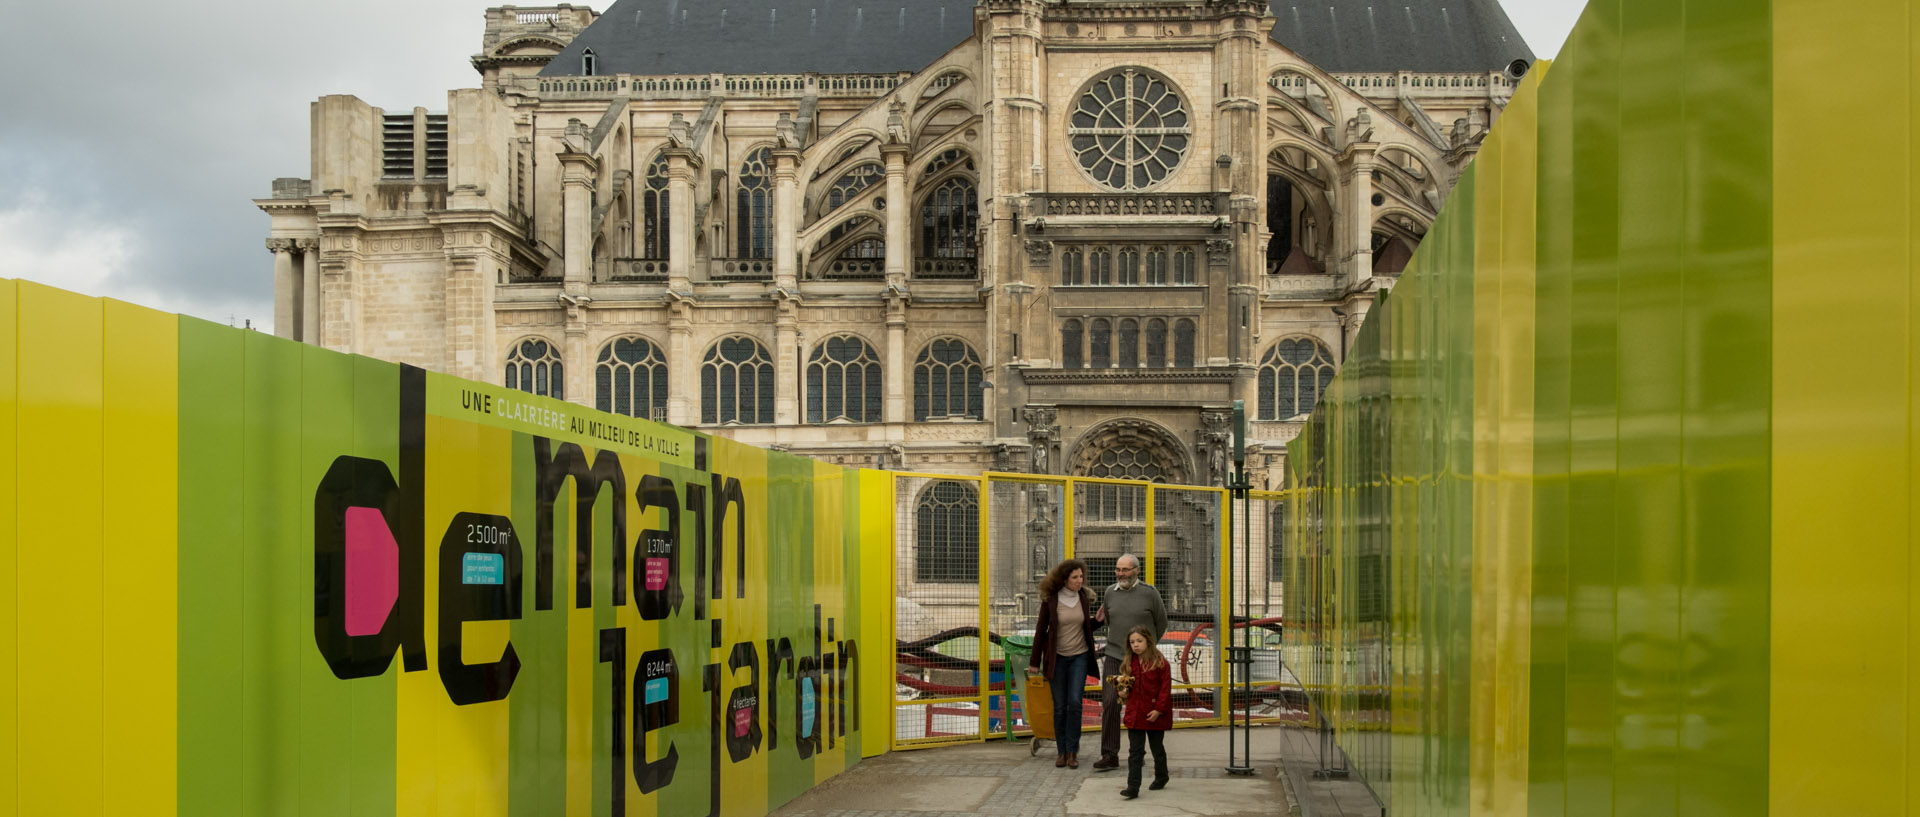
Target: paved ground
[(1000, 778)]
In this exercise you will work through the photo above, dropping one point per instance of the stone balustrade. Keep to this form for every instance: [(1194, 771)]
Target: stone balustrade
[(774, 86)]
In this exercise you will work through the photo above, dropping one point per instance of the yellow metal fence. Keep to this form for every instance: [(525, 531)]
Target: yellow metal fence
[(970, 552)]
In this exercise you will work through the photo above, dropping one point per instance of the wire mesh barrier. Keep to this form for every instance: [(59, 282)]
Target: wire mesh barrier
[(1257, 565), (939, 692), (966, 568)]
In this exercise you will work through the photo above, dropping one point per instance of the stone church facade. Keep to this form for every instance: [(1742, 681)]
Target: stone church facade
[(938, 235)]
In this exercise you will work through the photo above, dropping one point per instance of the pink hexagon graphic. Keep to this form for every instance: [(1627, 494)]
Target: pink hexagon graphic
[(373, 571)]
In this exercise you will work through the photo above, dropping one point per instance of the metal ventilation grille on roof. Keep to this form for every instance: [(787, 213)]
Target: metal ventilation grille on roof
[(396, 146), (436, 146)]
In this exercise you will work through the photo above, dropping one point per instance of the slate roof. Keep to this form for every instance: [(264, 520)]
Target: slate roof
[(883, 36), (1358, 36), (768, 36)]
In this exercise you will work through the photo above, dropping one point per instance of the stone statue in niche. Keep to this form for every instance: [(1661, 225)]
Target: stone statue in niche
[(1041, 433), (1218, 440)]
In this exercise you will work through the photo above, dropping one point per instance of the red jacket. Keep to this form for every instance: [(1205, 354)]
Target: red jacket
[(1152, 692)]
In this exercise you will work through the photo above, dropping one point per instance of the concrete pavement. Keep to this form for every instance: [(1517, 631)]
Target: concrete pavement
[(1000, 778)]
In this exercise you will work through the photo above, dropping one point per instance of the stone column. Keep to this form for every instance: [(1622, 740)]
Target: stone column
[(1357, 232), (788, 391), (896, 363), (310, 290), (682, 366), (286, 288), (577, 359), (786, 219), (899, 211), (577, 173), (681, 231), (464, 304), (1350, 325)]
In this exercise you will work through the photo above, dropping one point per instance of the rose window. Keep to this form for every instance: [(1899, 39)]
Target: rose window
[(1130, 129)]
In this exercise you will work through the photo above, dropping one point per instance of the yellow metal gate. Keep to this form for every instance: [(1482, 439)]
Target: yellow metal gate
[(969, 555)]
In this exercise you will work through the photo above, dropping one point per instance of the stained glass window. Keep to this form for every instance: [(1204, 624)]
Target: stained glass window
[(736, 382), (534, 367), (630, 378)]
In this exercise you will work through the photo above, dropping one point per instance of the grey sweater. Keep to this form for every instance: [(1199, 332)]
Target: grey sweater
[(1127, 609)]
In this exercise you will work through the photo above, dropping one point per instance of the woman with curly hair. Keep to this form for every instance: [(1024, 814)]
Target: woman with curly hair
[(1063, 650)]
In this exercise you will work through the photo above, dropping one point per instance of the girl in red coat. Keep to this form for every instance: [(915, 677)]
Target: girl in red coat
[(1149, 711)]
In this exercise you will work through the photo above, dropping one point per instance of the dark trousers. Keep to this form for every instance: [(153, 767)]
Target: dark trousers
[(1137, 742), (1110, 706), (1069, 688)]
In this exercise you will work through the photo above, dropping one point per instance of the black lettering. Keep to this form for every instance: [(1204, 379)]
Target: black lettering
[(656, 604), (779, 654), (743, 704), (553, 467), (697, 503), (849, 669), (613, 650), (354, 482), (461, 602), (656, 706), (728, 494)]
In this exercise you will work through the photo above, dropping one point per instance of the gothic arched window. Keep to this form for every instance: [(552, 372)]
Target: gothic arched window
[(843, 381), (1183, 268), (736, 382), (1293, 375), (1073, 268), (534, 367), (946, 159), (1129, 267), (852, 184), (948, 218), (1070, 344), (946, 524), (656, 211), (1157, 266), (755, 218), (1129, 343), (1100, 267), (1126, 449), (1101, 339), (588, 63), (1156, 344), (947, 382), (1183, 344), (630, 378)]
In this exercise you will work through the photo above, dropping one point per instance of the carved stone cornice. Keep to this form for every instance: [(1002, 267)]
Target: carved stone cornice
[(1040, 251), (1129, 204), (1219, 250)]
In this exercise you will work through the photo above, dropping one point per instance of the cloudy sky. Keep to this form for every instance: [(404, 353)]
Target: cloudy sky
[(137, 133)]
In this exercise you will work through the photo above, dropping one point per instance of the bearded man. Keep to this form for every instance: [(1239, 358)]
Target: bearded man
[(1130, 602)]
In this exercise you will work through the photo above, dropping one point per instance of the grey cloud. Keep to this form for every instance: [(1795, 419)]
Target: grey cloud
[(164, 120)]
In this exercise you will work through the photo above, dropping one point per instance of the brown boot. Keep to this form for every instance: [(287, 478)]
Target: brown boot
[(1073, 760), (1060, 761), (1106, 763)]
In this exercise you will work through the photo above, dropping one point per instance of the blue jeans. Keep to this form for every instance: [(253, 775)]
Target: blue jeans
[(1069, 686)]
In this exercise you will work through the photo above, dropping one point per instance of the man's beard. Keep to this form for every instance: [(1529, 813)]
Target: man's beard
[(1127, 583)]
